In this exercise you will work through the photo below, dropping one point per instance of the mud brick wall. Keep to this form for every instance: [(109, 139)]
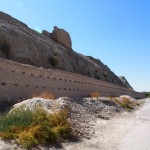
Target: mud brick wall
[(19, 81)]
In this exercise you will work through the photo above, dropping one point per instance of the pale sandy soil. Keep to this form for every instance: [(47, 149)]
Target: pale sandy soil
[(130, 131)]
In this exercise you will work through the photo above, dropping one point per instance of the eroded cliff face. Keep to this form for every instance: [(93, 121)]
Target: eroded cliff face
[(124, 80), (20, 43)]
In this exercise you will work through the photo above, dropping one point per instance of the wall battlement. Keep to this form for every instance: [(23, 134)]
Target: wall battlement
[(19, 81)]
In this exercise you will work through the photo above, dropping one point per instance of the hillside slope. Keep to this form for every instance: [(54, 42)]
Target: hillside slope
[(20, 43)]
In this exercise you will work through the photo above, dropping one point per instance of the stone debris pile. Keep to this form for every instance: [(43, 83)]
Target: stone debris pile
[(81, 110)]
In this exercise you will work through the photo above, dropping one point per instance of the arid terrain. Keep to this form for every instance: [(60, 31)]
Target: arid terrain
[(99, 123), (52, 97), (128, 131)]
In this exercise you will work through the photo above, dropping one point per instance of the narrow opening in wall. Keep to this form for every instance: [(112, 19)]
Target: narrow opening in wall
[(15, 84), (3, 84)]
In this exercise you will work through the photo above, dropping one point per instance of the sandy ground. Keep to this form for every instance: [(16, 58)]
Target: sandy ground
[(130, 131)]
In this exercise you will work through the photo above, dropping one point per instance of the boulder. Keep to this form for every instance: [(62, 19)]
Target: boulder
[(48, 105), (62, 37), (46, 33)]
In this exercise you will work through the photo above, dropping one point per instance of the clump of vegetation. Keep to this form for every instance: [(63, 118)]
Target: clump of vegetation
[(45, 95), (94, 94), (126, 103), (147, 94), (32, 128), (54, 60)]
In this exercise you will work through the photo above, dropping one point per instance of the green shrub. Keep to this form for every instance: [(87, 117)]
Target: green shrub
[(19, 117), (32, 128)]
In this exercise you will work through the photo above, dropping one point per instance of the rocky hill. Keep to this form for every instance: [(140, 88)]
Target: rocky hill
[(48, 50), (124, 80)]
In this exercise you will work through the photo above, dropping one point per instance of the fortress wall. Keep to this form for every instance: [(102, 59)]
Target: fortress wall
[(20, 81)]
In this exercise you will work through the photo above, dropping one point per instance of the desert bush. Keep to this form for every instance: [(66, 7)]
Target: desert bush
[(123, 103), (36, 134), (126, 103), (45, 95), (19, 117), (59, 122), (147, 94), (54, 60), (94, 94), (35, 127)]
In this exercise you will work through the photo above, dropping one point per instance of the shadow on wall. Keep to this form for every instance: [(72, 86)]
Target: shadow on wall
[(4, 48), (7, 103)]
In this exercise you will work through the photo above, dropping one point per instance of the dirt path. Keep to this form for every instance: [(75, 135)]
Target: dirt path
[(130, 131), (139, 137)]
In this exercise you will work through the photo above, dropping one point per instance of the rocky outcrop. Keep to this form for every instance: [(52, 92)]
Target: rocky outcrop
[(62, 37), (124, 80), (20, 43), (47, 34)]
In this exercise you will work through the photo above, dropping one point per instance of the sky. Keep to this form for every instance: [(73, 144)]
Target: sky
[(115, 31)]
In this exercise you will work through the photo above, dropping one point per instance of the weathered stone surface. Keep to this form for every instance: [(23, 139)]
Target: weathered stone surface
[(46, 33), (62, 37), (124, 80), (20, 43)]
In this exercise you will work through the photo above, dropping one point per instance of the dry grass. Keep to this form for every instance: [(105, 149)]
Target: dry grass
[(94, 94), (126, 103), (35, 128), (45, 95)]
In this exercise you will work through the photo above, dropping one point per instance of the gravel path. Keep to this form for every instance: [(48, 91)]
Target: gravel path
[(139, 137), (130, 131)]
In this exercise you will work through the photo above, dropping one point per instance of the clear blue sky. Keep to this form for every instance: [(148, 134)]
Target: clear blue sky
[(115, 31)]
